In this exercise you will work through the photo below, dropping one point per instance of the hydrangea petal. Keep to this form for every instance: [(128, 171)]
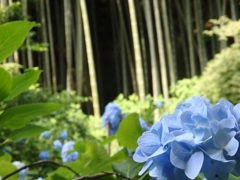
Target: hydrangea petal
[(232, 147), (194, 165), (138, 156), (149, 143), (145, 167)]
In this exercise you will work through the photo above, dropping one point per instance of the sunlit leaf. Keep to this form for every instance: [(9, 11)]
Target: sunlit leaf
[(12, 36), (22, 82), (6, 84), (27, 131), (17, 117), (129, 131)]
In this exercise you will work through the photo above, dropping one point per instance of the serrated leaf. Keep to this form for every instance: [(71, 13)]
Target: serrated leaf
[(12, 36), (17, 117), (6, 84), (129, 131), (27, 131), (22, 82)]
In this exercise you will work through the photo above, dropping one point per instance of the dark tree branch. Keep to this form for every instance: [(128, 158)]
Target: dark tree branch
[(40, 163)]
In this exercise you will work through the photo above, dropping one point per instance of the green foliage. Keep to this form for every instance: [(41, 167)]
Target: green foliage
[(144, 108), (183, 90), (11, 13), (221, 77), (14, 121), (224, 28), (12, 36), (128, 168), (129, 131)]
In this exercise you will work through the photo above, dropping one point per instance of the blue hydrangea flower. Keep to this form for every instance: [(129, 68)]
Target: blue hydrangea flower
[(22, 173), (67, 154), (159, 104), (46, 134), (198, 136), (112, 115), (57, 144), (44, 155), (64, 135)]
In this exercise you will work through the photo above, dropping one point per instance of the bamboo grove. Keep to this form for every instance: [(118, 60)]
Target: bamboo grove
[(101, 48)]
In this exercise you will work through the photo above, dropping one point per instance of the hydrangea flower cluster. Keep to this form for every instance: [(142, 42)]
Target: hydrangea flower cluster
[(112, 115), (66, 154), (44, 155), (199, 137)]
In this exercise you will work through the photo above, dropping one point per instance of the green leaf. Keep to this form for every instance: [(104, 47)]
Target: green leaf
[(129, 131), (22, 82), (7, 168), (128, 168), (12, 36), (6, 84), (89, 160), (232, 177), (91, 154), (5, 157), (27, 131), (17, 117)]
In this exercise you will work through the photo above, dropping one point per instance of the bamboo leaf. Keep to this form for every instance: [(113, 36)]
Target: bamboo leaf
[(12, 36)]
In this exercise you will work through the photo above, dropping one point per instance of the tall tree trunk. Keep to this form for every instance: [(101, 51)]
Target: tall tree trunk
[(137, 50), (46, 62), (201, 44), (91, 64), (68, 40), (51, 47), (188, 14), (168, 43), (152, 46), (143, 45), (127, 48), (121, 35), (161, 52), (28, 45), (79, 48)]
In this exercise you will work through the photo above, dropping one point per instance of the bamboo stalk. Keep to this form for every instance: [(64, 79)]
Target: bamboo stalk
[(51, 47), (46, 64), (137, 50), (143, 45), (68, 39), (79, 47), (161, 52), (168, 43), (29, 51), (152, 46), (201, 44), (188, 13), (91, 64)]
